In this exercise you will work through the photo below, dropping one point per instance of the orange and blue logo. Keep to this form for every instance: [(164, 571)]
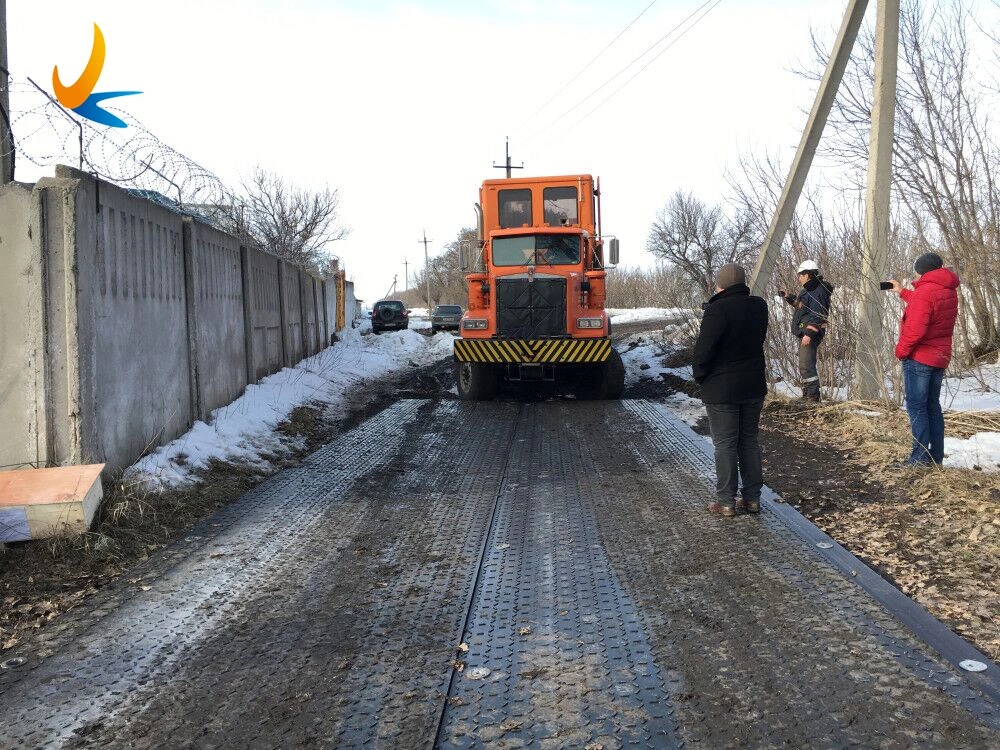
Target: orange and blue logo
[(80, 97)]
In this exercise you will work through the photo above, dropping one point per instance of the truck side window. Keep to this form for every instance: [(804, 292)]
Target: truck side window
[(560, 206), (514, 208)]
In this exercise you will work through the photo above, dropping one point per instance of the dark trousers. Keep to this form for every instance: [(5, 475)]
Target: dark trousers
[(923, 404), (735, 429), (808, 372)]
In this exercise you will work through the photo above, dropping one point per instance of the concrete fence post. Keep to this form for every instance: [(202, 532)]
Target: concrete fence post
[(246, 275), (191, 296), (286, 345)]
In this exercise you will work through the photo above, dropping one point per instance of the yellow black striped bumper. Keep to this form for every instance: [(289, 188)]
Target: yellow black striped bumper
[(515, 351)]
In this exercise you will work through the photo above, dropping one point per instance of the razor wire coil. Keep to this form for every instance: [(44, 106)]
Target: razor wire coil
[(46, 134)]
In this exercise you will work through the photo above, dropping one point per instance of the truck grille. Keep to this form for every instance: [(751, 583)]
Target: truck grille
[(531, 309)]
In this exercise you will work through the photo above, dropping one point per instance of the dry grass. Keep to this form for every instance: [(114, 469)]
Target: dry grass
[(940, 542)]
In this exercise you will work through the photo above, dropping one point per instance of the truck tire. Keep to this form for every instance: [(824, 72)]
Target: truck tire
[(605, 381), (475, 382), (614, 376)]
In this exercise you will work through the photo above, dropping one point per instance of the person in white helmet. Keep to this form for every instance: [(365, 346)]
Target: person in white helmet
[(809, 324)]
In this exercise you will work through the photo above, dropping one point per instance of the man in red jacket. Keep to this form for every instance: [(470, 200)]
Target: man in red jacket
[(924, 347)]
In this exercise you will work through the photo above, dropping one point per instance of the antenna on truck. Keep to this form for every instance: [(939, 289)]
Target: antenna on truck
[(507, 165)]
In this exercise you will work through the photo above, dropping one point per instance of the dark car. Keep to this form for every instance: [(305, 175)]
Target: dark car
[(390, 315), (446, 317)]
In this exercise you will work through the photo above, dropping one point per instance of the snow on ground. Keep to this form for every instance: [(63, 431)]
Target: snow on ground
[(244, 429), (978, 390), (982, 450), (643, 314), (419, 321), (650, 354)]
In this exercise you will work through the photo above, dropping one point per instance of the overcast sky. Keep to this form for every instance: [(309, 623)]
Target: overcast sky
[(404, 106)]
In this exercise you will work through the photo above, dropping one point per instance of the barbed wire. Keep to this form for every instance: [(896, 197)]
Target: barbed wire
[(46, 134)]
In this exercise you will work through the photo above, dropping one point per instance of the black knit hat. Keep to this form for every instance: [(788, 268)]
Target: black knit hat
[(927, 262)]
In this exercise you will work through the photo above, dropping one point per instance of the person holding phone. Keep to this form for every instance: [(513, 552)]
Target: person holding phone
[(728, 364), (925, 348), (809, 323)]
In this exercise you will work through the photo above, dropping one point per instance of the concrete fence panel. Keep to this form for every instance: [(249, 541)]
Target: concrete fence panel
[(216, 324), (23, 439), (317, 289), (291, 312), (264, 306), (308, 297), (134, 373)]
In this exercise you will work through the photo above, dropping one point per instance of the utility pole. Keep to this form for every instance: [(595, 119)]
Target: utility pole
[(870, 364), (406, 272), (507, 165), (6, 137), (427, 268), (825, 97)]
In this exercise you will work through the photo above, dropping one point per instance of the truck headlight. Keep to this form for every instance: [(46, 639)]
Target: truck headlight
[(474, 324), (589, 323)]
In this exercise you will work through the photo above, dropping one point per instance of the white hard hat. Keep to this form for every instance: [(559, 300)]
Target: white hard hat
[(808, 265)]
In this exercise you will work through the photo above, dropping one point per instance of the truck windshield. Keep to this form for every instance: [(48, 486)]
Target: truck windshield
[(537, 249)]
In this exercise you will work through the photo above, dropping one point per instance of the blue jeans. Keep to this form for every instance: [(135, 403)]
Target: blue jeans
[(923, 404)]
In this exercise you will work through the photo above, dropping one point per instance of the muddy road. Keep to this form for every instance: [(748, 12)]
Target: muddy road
[(508, 574)]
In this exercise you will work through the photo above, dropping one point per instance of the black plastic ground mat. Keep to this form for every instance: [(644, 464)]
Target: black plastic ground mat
[(558, 654), (323, 610), (490, 575)]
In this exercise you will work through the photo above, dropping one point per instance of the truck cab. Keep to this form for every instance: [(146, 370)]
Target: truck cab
[(536, 282)]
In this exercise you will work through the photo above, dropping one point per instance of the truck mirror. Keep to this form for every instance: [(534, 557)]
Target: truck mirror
[(463, 255), (613, 251), (479, 223)]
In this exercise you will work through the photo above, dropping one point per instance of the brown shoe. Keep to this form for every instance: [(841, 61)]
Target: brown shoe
[(753, 506), (723, 510), (741, 505)]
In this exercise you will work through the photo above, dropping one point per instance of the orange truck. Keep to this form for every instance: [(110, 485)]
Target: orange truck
[(536, 280)]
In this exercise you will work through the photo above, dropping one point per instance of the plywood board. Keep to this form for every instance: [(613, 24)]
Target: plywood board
[(38, 503)]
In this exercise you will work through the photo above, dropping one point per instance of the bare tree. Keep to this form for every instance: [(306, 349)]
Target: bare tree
[(698, 239), (293, 223), (946, 160)]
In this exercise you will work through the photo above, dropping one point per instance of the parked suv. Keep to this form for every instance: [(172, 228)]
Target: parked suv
[(390, 315), (445, 317)]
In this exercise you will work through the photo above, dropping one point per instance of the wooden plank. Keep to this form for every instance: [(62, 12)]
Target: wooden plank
[(38, 503)]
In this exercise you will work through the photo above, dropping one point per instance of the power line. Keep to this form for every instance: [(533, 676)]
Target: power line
[(604, 85), (562, 89), (617, 91)]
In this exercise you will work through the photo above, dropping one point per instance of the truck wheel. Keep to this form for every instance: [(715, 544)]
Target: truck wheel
[(605, 381), (614, 376), (475, 382)]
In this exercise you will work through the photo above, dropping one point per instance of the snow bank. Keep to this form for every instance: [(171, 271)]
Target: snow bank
[(244, 429), (643, 314), (982, 450)]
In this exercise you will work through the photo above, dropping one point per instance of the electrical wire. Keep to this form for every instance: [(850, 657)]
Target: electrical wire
[(562, 89), (604, 85), (636, 74)]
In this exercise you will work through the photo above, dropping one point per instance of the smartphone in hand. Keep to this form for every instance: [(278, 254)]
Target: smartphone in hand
[(885, 286)]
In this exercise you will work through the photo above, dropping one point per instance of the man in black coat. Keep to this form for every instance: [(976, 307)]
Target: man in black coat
[(729, 366)]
